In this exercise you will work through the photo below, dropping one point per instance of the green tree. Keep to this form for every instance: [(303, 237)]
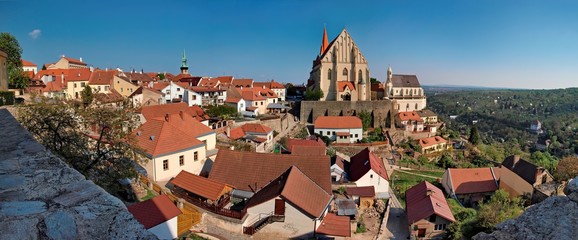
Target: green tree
[(365, 119), (96, 141), (222, 111), (474, 136), (10, 45), (446, 162), (567, 169), (313, 94), (161, 76), (373, 80), (87, 96), (498, 209)]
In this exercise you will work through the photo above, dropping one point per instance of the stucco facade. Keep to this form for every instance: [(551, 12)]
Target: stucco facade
[(74, 89), (380, 184), (122, 86), (157, 171), (426, 229), (166, 230), (3, 71), (341, 61), (354, 133), (514, 184)]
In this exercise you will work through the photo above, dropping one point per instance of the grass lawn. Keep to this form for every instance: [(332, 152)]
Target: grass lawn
[(428, 173), (402, 181), (150, 194)]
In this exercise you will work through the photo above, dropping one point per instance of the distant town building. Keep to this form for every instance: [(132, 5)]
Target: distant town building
[(433, 144), (536, 127), (67, 63), (340, 70), (29, 67), (522, 178), (342, 129), (471, 185)]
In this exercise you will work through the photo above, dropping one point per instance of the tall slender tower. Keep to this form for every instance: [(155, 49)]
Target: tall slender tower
[(388, 88), (184, 67), (324, 42)]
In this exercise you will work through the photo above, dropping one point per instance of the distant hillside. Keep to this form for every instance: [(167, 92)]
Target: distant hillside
[(505, 115)]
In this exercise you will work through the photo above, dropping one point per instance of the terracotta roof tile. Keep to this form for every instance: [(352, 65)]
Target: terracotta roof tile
[(342, 85), (426, 142), (309, 150), (242, 82), (292, 142), (201, 186), (74, 61), (255, 127), (102, 77), (154, 211), (157, 111), (140, 77), (236, 133), (362, 162), (271, 84), (340, 122), (367, 191), (335, 226), (252, 171), (294, 186), (27, 63), (472, 180), (160, 85), (425, 199), (409, 116)]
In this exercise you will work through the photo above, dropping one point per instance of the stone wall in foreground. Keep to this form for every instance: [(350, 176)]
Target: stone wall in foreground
[(42, 198)]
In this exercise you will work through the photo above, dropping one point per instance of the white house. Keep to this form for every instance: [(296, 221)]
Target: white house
[(366, 169), (158, 215), (338, 169), (237, 103), (210, 95), (252, 131), (173, 143), (292, 199), (278, 88), (339, 128)]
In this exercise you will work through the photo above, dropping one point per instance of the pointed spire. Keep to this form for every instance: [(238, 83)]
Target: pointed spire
[(324, 42), (184, 60)]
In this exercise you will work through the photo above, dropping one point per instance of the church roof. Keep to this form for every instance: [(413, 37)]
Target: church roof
[(341, 86), (405, 81), (324, 43)]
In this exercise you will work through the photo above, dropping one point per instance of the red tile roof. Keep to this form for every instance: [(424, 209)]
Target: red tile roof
[(111, 97), (294, 186), (309, 150), (472, 180), (160, 85), (410, 116), (82, 74), (55, 86), (250, 94), (335, 226), (377, 87), (102, 77), (158, 136), (292, 142), (272, 85), (209, 82), (367, 191), (426, 142), (157, 111), (236, 133), (242, 82), (140, 77), (339, 122), (74, 61), (27, 63), (154, 211), (241, 131), (341, 86), (425, 199), (200, 186), (364, 161), (180, 76), (232, 100), (250, 170)]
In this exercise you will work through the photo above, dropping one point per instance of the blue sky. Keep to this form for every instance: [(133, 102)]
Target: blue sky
[(520, 44)]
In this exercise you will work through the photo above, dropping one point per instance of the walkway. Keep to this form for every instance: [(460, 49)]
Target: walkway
[(396, 227), (416, 174)]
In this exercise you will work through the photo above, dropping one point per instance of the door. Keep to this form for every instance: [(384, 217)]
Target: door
[(421, 232), (280, 207)]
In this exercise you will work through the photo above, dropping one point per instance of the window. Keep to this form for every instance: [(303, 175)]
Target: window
[(165, 165), (121, 89), (329, 74), (333, 132), (182, 160), (356, 135), (321, 133), (196, 156), (82, 84), (370, 175), (261, 103), (345, 72), (168, 91), (106, 88), (439, 227), (328, 133), (74, 84), (360, 75), (194, 97), (416, 106), (99, 88), (432, 218), (178, 89), (255, 103)]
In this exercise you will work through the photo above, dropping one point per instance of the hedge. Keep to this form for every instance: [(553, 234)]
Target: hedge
[(6, 98)]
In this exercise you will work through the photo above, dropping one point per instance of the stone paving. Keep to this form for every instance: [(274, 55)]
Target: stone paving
[(42, 198)]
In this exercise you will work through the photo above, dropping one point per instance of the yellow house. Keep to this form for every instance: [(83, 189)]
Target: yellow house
[(123, 86), (433, 144), (76, 80), (3, 71), (67, 63), (100, 80)]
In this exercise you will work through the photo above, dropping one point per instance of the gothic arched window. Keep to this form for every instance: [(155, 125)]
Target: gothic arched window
[(345, 72), (416, 106), (360, 75), (329, 74)]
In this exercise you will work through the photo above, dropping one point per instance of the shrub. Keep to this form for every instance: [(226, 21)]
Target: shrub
[(6, 98)]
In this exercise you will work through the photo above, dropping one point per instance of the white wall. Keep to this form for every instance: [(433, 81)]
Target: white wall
[(353, 131), (380, 184), (166, 230), (158, 174), (337, 172), (211, 139), (189, 95)]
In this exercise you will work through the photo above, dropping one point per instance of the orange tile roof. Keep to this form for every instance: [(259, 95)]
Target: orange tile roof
[(249, 170), (232, 100), (377, 87), (27, 63), (334, 225), (159, 111), (472, 180), (55, 86), (160, 85), (339, 122), (111, 97), (292, 143), (242, 131), (236, 133), (140, 77), (366, 191), (102, 77), (75, 61), (342, 85), (425, 199), (82, 74), (431, 141), (154, 211), (364, 161), (409, 116), (159, 136), (271, 84), (294, 186), (201, 186), (250, 94), (209, 82), (242, 82), (309, 150)]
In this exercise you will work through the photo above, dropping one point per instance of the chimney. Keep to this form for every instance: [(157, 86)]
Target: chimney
[(62, 78), (429, 192), (263, 86), (181, 113), (167, 117), (516, 160), (80, 59), (228, 131), (539, 172)]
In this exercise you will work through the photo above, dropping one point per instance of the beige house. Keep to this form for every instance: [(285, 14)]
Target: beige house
[(406, 92), (76, 80), (340, 70), (522, 178), (433, 144), (67, 63), (143, 96), (3, 71), (100, 81), (123, 85)]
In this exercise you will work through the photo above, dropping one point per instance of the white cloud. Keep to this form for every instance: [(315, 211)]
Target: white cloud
[(35, 33)]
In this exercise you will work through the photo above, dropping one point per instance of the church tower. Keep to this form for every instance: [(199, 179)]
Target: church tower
[(184, 67), (388, 83)]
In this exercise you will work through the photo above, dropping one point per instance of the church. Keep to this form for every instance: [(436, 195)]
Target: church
[(405, 91), (340, 70)]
